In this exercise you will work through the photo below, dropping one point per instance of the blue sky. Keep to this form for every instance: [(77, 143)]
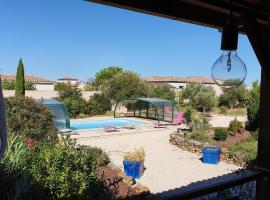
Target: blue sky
[(78, 38)]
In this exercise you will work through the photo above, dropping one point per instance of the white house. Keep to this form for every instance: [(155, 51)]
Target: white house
[(68, 80), (38, 82), (178, 83)]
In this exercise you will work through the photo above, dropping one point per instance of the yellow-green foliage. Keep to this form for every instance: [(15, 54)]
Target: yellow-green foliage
[(136, 155)]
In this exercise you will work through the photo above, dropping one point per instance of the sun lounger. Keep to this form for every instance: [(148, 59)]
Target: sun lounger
[(159, 125), (110, 129), (129, 127)]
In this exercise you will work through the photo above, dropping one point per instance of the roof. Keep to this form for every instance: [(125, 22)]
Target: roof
[(211, 13), (152, 99), (69, 78), (190, 79), (28, 78)]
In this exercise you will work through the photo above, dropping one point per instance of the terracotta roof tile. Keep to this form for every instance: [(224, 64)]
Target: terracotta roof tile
[(69, 78), (28, 78), (190, 79)]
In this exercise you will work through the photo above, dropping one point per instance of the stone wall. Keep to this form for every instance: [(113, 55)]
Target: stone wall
[(195, 146), (38, 94)]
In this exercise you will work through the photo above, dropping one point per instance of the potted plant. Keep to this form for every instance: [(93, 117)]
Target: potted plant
[(134, 163)]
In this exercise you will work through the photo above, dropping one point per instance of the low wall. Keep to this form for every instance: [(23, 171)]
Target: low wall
[(195, 146), (38, 94)]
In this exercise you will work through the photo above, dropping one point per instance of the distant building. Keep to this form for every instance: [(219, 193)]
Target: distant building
[(178, 83), (38, 82), (69, 80)]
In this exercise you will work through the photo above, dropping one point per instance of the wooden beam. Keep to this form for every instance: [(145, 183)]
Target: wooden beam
[(259, 37), (173, 9)]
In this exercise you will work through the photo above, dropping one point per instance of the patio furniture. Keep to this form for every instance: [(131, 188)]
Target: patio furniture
[(179, 119), (110, 129), (160, 125), (129, 127)]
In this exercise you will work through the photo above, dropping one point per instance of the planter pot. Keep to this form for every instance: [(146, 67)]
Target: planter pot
[(133, 169), (211, 155)]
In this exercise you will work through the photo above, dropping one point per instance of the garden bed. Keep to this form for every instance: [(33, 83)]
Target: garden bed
[(233, 149)]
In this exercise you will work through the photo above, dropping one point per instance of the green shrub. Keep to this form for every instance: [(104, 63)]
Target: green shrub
[(75, 106), (199, 122), (253, 104), (8, 85), (30, 119), (223, 109), (221, 134), (235, 126), (200, 136), (68, 171), (60, 86), (30, 86), (188, 115), (98, 104), (244, 152), (14, 181)]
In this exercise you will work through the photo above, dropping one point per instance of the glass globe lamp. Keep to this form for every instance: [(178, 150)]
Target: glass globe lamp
[(229, 70)]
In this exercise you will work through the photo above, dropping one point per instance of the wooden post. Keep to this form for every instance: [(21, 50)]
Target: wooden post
[(3, 129), (259, 38)]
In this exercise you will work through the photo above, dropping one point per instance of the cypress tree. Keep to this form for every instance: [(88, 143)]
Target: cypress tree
[(20, 82)]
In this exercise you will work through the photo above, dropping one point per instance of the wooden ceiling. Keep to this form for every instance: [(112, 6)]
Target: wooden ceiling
[(211, 13)]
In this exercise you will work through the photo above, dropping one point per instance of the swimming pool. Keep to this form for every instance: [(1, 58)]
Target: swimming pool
[(90, 124)]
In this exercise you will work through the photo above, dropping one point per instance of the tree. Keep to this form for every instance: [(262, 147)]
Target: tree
[(161, 91), (105, 75), (98, 104), (125, 85), (60, 86), (253, 104), (8, 85), (69, 91), (30, 86), (200, 97), (233, 97), (20, 82)]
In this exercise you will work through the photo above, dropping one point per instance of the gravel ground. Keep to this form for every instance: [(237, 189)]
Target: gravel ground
[(167, 167), (224, 121)]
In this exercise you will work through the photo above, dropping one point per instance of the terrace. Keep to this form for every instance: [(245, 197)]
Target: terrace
[(253, 20)]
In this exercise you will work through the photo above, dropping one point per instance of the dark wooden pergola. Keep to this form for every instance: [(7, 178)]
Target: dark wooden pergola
[(253, 19)]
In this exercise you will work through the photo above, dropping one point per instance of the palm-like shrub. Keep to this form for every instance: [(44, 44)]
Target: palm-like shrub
[(235, 126)]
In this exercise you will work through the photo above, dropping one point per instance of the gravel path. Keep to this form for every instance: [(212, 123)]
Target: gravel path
[(167, 167), (224, 121)]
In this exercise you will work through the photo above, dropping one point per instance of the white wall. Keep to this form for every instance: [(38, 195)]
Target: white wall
[(38, 94), (46, 87), (177, 87)]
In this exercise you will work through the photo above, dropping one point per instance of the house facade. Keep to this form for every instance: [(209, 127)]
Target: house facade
[(179, 83), (39, 83), (68, 80)]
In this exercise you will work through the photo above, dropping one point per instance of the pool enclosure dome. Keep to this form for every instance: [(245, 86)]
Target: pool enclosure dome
[(60, 114), (149, 108)]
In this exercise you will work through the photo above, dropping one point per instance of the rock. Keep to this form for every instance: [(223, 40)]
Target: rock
[(126, 179), (141, 190), (196, 143), (224, 150)]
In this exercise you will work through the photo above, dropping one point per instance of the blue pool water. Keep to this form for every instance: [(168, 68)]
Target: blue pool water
[(90, 124)]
